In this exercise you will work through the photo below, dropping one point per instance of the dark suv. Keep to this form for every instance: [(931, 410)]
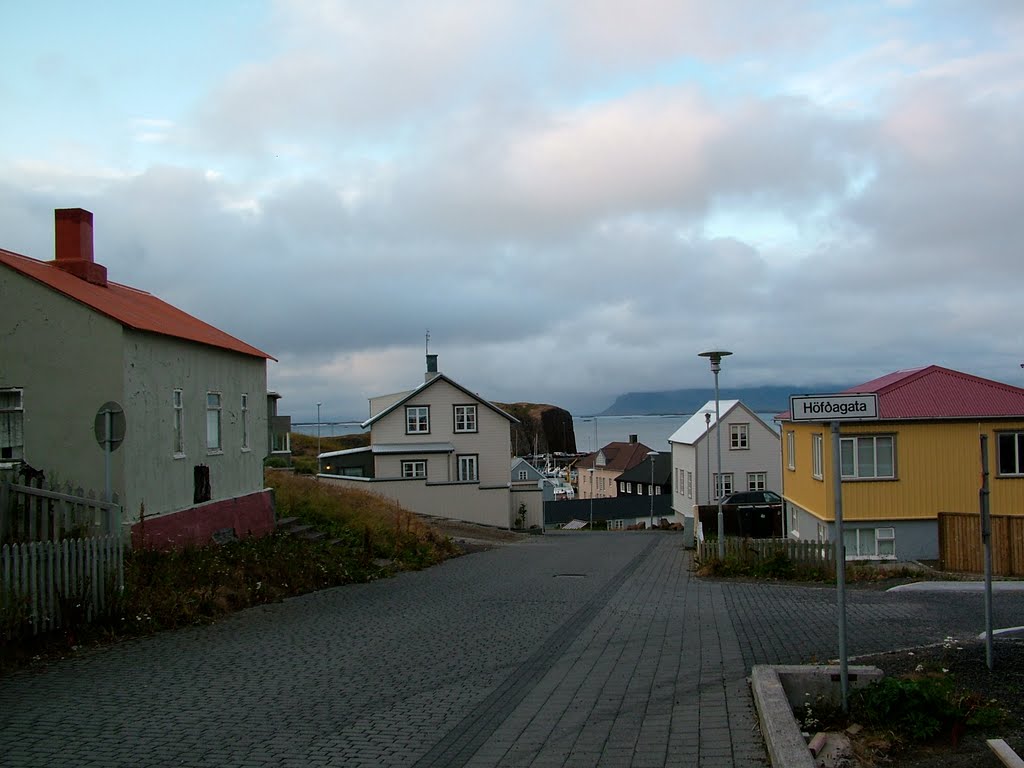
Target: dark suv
[(756, 499)]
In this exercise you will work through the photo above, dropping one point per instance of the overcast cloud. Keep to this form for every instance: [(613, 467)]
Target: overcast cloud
[(575, 198)]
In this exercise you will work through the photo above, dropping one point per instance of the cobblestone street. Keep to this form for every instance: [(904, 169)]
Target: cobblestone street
[(563, 650)]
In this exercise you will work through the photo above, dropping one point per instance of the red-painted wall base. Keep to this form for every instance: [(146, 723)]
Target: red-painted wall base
[(250, 515)]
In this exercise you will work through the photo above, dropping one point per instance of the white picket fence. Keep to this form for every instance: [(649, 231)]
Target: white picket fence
[(54, 583)]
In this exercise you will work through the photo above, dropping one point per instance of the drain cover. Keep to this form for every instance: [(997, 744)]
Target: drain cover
[(570, 575)]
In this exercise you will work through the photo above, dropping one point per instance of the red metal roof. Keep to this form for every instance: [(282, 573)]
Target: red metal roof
[(131, 307), (934, 392), (618, 455)]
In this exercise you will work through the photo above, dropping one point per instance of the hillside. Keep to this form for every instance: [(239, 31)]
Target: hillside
[(542, 428), (758, 399)]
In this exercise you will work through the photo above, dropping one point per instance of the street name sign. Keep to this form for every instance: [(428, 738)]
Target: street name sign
[(855, 407)]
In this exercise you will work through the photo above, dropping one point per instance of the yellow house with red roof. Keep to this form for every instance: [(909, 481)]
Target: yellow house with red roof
[(921, 457), (194, 397)]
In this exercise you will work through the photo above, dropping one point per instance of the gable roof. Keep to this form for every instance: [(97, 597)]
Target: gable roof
[(695, 427), (934, 392), (641, 472), (425, 386), (128, 306), (618, 456), (519, 463)]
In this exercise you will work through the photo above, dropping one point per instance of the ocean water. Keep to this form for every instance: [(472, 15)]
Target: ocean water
[(653, 431), (591, 431)]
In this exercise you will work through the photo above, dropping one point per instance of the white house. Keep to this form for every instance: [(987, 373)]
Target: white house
[(438, 449), (194, 399), (750, 456)]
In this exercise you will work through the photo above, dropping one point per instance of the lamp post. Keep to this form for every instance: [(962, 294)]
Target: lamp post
[(716, 365), (650, 490), (591, 471), (318, 437)]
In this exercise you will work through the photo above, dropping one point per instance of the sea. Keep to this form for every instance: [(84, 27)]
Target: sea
[(591, 431)]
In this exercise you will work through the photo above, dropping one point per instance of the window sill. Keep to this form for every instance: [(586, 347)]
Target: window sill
[(177, 456), (246, 450), (214, 451)]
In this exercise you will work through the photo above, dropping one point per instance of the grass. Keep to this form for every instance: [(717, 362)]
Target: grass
[(197, 585), (779, 566)]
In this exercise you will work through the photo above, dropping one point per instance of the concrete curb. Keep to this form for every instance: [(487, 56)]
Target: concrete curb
[(777, 689)]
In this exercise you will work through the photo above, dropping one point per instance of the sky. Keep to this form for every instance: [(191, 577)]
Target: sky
[(573, 197)]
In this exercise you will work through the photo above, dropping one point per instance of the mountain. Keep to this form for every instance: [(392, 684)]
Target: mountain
[(758, 399), (542, 428)]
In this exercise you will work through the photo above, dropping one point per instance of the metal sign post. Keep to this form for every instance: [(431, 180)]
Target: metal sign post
[(986, 540), (109, 427), (834, 409)]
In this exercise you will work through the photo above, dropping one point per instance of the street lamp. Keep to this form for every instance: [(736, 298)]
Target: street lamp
[(591, 471), (716, 365), (318, 437), (651, 455)]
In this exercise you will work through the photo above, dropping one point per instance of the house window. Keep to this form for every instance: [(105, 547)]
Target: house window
[(738, 437), (791, 449), (414, 469), (657, 490), (723, 486), (465, 418), (523, 474), (467, 467), (868, 457), (179, 424), (282, 443), (245, 422), (417, 419), (627, 487), (600, 483), (757, 481), (12, 424), (816, 456), (213, 442), (1010, 450), (862, 543), (689, 484)]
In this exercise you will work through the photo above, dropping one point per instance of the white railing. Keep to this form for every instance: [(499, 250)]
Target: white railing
[(49, 584), (50, 514)]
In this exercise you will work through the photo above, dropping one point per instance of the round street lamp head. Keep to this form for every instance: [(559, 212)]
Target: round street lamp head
[(715, 356)]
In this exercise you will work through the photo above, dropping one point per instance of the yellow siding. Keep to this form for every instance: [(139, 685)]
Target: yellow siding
[(938, 469)]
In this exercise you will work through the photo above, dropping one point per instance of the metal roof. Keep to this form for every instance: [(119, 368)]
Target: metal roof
[(694, 427), (425, 385), (130, 307), (934, 392)]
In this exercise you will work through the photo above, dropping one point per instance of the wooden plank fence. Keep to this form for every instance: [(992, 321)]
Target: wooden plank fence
[(50, 584), (50, 514), (961, 549), (61, 554), (800, 552)]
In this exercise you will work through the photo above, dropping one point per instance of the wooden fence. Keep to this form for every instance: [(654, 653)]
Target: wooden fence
[(50, 514), (61, 556), (961, 549), (801, 552), (49, 584)]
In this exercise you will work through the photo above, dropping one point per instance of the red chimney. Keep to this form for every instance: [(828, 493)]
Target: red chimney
[(74, 245)]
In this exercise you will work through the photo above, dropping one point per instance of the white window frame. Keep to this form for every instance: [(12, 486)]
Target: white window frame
[(468, 467), (178, 404), (12, 421), (245, 421), (866, 543), (725, 487), (739, 437), (855, 441), (1007, 442), (817, 456), (214, 423), (627, 488), (657, 490), (524, 474), (757, 481), (414, 468), (417, 419), (689, 484), (465, 418), (791, 449)]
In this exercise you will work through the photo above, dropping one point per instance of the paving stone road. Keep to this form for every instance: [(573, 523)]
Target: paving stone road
[(565, 650)]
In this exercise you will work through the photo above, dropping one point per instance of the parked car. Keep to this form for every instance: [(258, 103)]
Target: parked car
[(753, 514), (752, 499)]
